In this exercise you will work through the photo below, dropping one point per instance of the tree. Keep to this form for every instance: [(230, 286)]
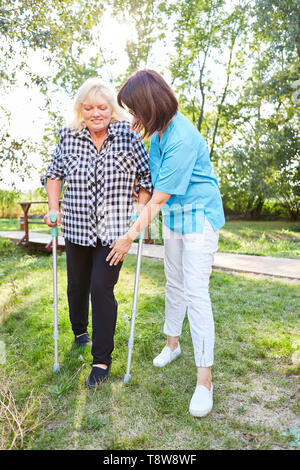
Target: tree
[(49, 25), (207, 36), (279, 20), (145, 18), (197, 32), (59, 30), (236, 23), (284, 149)]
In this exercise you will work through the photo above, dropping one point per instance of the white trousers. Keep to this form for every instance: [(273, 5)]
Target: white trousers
[(188, 263)]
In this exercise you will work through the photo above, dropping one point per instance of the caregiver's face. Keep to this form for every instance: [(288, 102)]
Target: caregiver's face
[(96, 113)]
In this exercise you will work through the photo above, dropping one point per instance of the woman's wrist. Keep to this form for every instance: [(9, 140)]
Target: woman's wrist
[(54, 210), (131, 235)]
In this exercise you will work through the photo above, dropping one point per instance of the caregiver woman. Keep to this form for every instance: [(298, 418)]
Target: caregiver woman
[(186, 189)]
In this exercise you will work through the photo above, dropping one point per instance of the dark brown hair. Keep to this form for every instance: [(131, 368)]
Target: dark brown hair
[(150, 99)]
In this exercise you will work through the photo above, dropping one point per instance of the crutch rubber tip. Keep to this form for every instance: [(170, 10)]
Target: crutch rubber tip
[(56, 368), (127, 377)]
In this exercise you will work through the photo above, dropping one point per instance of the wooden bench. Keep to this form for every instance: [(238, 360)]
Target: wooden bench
[(26, 219)]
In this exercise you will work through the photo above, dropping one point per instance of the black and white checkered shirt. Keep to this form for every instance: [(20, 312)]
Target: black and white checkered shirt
[(98, 199)]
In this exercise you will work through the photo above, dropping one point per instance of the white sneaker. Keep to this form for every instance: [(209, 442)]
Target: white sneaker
[(166, 356), (202, 401)]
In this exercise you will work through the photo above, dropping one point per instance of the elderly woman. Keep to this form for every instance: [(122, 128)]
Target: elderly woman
[(100, 158), (186, 189)]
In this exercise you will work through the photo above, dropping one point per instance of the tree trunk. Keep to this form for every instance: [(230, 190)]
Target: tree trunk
[(220, 106), (201, 86), (255, 212)]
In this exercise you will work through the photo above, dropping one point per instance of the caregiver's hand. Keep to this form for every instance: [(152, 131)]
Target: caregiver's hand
[(120, 248)]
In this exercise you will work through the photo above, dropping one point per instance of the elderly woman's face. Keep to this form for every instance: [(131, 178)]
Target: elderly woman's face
[(96, 113)]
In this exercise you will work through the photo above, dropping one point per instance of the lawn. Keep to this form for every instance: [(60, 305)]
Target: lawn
[(264, 238), (14, 224), (255, 379)]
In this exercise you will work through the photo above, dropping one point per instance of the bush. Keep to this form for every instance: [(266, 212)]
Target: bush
[(9, 203), (271, 210), (7, 248), (274, 210)]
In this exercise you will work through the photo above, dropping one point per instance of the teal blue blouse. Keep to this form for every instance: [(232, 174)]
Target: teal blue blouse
[(180, 166)]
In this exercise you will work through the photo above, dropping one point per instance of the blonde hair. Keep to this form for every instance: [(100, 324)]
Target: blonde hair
[(90, 89)]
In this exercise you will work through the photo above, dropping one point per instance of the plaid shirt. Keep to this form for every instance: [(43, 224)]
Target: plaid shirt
[(98, 199)]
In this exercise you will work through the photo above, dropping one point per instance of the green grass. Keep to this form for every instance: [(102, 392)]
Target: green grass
[(14, 224), (255, 381), (265, 238)]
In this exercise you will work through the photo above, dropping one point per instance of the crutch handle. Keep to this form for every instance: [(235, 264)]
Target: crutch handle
[(53, 218)]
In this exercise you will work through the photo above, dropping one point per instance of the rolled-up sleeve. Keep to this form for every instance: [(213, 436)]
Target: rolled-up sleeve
[(55, 170), (143, 168)]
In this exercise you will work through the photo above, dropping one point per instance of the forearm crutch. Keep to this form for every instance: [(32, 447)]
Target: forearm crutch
[(54, 235), (127, 376), (53, 218)]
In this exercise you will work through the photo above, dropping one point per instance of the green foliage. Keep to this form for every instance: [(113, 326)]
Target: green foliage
[(7, 248), (8, 200), (14, 151), (279, 21), (273, 209), (263, 160), (51, 25), (253, 128), (58, 30)]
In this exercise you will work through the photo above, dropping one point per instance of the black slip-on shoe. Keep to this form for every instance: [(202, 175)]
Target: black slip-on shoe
[(82, 340), (97, 376)]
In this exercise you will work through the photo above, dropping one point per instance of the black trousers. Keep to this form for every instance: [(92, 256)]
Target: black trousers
[(90, 274)]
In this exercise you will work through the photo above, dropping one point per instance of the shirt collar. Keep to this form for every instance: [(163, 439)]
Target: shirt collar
[(114, 128)]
